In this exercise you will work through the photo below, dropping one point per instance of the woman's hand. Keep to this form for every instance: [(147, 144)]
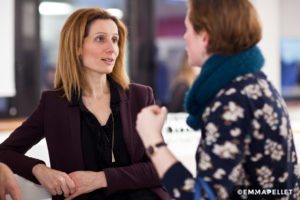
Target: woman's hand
[(149, 124), (56, 182), (8, 184), (87, 181)]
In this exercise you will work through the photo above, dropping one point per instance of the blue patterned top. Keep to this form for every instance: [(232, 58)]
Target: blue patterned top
[(247, 149)]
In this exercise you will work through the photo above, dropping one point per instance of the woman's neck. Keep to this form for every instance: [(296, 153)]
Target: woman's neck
[(97, 85)]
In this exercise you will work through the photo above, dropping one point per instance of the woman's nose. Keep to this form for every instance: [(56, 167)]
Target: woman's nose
[(112, 47)]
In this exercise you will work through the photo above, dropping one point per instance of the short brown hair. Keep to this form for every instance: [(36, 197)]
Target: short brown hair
[(233, 25), (69, 75)]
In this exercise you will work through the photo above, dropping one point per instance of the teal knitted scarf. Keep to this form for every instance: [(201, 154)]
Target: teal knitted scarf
[(216, 73)]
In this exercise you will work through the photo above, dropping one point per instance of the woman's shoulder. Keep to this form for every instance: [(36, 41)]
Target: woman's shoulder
[(137, 88), (249, 84), (54, 95), (138, 94), (250, 91)]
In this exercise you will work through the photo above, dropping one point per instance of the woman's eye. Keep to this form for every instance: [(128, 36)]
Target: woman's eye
[(100, 39), (115, 40)]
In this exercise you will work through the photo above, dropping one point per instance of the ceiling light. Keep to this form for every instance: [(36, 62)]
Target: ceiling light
[(54, 8), (115, 12)]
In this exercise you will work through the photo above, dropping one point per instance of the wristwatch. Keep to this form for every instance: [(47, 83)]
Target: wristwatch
[(153, 148)]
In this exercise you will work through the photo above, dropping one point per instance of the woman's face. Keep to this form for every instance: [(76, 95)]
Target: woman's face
[(196, 44), (100, 47)]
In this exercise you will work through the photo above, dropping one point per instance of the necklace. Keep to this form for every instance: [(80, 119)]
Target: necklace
[(113, 138)]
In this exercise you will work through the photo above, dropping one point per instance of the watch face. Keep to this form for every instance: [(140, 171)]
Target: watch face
[(150, 150)]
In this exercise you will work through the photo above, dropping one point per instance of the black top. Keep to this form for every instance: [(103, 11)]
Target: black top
[(97, 143), (97, 140)]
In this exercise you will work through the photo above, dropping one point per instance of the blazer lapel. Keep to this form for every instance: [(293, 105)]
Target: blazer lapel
[(125, 113), (75, 139)]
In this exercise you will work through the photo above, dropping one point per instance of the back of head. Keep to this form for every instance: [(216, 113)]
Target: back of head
[(233, 25), (69, 74)]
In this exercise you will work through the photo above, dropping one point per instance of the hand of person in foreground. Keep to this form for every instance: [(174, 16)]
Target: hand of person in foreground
[(8, 184), (56, 182), (87, 181), (149, 124)]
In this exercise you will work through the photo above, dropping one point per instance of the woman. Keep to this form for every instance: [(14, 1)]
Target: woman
[(247, 149), (88, 120)]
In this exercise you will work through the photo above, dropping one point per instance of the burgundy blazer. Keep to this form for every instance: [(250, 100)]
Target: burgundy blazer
[(56, 120)]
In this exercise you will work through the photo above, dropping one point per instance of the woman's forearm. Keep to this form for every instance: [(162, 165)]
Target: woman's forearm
[(100, 180), (132, 177), (163, 159)]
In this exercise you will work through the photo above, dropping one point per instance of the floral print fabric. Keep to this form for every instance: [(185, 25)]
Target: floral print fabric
[(247, 145)]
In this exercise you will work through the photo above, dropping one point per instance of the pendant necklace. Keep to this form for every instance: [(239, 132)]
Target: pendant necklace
[(113, 133), (113, 138)]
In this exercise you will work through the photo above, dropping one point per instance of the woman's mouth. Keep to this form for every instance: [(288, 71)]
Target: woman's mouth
[(108, 60)]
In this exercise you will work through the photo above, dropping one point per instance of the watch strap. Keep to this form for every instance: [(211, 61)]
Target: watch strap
[(153, 148)]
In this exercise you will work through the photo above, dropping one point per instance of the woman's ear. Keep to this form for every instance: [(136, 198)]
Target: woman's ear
[(205, 38), (79, 52)]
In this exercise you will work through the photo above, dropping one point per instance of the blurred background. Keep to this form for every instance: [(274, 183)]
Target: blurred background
[(155, 50)]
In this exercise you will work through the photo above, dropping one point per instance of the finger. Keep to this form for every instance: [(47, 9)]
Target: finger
[(58, 191), (52, 191), (71, 185), (154, 109), (16, 194), (72, 196), (64, 189), (2, 194), (164, 112)]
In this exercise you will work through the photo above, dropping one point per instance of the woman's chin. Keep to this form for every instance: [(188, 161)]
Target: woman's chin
[(106, 70)]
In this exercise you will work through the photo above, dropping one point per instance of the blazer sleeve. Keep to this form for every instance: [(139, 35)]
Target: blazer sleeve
[(179, 182), (12, 150), (138, 175)]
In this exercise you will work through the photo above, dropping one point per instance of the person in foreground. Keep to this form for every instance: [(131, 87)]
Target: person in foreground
[(88, 120), (8, 184), (247, 149)]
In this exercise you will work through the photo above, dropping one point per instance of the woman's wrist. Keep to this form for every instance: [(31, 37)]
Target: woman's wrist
[(150, 141), (152, 149), (163, 159), (36, 169), (2, 165), (101, 180)]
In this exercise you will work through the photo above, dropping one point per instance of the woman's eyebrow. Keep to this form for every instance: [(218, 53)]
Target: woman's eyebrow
[(103, 33)]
